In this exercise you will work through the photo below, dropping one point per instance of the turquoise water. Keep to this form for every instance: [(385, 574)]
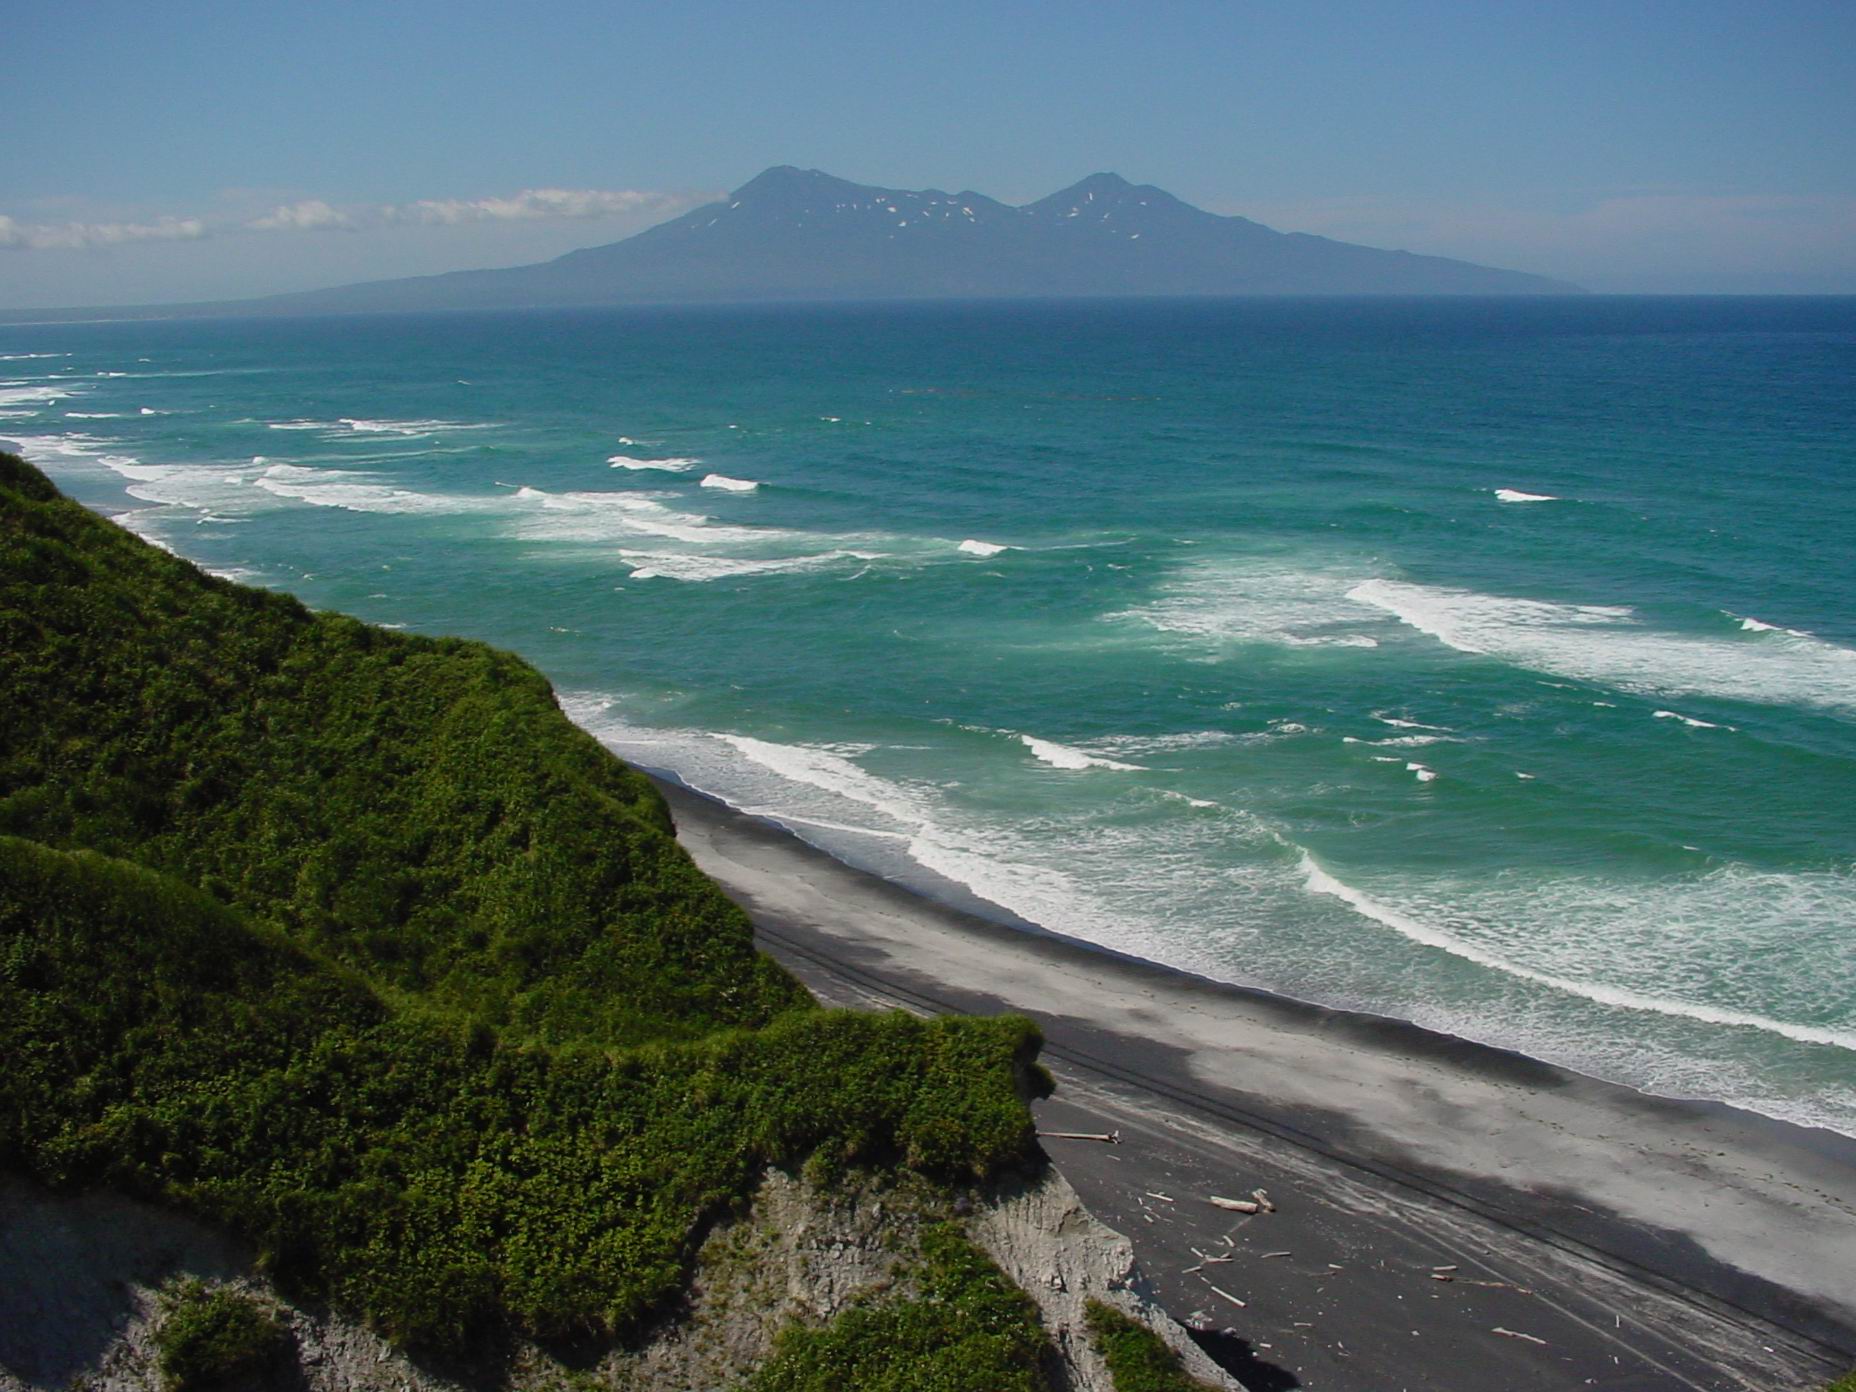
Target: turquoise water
[(1487, 664)]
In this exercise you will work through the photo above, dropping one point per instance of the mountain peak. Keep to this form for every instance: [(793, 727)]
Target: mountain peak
[(798, 234), (787, 180)]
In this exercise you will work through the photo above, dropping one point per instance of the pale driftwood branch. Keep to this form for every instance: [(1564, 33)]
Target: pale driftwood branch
[(1164, 1198), (1227, 1295), (1515, 1334), (1267, 1255), (1237, 1205)]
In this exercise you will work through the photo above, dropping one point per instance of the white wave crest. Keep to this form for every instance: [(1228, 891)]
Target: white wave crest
[(1609, 644), (1690, 720), (673, 466), (981, 548), (663, 565), (410, 427), (355, 492), (14, 395), (1318, 881), (1064, 757), (729, 485), (1515, 495), (1256, 602), (1751, 625)]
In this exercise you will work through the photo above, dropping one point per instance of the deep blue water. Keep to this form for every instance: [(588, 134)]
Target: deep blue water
[(1488, 663)]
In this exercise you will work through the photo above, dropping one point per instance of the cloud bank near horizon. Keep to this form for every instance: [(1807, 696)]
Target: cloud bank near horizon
[(317, 215)]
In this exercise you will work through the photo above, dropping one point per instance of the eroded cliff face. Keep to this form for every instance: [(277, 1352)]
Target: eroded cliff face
[(81, 1277)]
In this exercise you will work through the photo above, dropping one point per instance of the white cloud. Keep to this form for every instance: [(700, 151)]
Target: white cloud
[(315, 215), (535, 203), (308, 216), (65, 236)]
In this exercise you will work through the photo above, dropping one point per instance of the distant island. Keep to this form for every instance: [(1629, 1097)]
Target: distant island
[(800, 234)]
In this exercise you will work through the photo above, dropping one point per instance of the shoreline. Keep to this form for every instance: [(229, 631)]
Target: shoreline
[(1695, 1213)]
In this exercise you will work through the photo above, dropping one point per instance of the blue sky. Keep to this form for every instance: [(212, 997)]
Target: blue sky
[(154, 152)]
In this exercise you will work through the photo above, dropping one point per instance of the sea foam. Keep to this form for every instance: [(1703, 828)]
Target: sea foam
[(1063, 756), (1319, 881), (1609, 644), (1256, 601), (1515, 495), (673, 466)]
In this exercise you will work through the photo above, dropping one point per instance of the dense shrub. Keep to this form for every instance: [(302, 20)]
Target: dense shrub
[(211, 1337), (966, 1328), (351, 942), (1137, 1358), (415, 807)]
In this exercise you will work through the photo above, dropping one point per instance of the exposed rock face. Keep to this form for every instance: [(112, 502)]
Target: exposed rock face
[(1064, 1256), (80, 1280)]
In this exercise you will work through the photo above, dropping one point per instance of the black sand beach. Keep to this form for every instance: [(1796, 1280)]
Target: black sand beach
[(1591, 1236)]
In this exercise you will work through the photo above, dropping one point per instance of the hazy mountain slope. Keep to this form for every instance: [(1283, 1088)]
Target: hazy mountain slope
[(802, 234)]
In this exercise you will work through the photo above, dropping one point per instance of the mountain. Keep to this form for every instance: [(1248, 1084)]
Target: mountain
[(794, 234)]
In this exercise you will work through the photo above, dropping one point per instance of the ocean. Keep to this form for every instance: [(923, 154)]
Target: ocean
[(1487, 664)]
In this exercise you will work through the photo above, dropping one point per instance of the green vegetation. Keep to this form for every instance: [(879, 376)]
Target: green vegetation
[(417, 808), (965, 1329), (212, 1337), (1137, 1358), (1846, 1383), (350, 941)]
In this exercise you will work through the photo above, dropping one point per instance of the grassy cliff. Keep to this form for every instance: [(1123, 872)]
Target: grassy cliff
[(350, 941)]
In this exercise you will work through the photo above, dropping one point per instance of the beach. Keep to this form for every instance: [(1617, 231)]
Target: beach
[(1590, 1235)]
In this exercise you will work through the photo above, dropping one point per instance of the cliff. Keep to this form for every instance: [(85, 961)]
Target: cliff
[(338, 969)]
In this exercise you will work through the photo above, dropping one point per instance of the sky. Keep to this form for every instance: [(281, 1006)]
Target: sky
[(155, 153)]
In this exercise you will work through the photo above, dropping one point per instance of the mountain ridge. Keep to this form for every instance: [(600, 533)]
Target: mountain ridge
[(792, 234)]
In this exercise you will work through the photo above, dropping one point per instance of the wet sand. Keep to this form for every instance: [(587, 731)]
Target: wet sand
[(1592, 1235)]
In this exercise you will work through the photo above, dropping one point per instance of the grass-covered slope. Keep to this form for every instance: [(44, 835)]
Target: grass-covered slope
[(415, 807), (349, 941)]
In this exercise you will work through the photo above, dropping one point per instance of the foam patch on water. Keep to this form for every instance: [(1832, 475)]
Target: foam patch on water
[(14, 394), (1748, 625), (1063, 756), (358, 492), (673, 466), (729, 485), (659, 565), (1689, 720), (981, 548), (411, 427), (1609, 644), (1515, 495), (349, 426), (1168, 744), (901, 829), (1399, 723), (1257, 602), (1627, 941)]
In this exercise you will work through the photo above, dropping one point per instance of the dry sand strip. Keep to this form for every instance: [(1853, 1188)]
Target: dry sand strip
[(1447, 1216)]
